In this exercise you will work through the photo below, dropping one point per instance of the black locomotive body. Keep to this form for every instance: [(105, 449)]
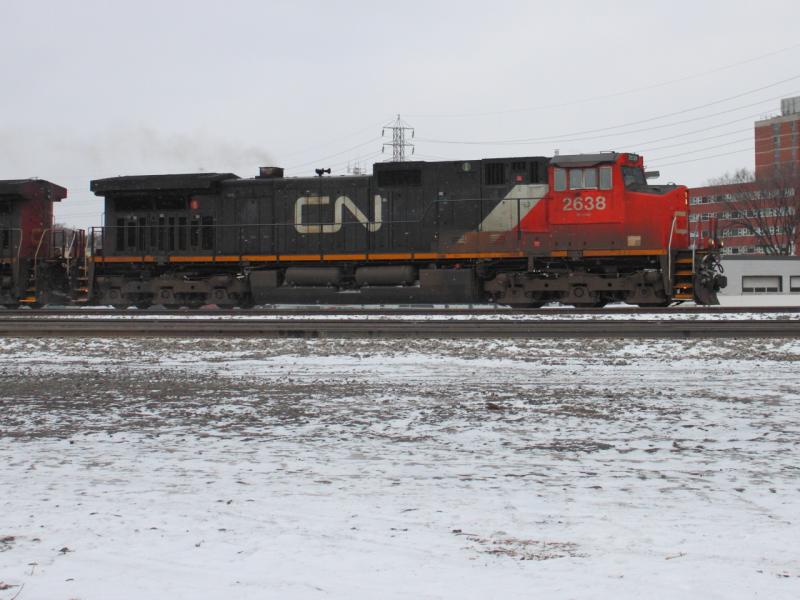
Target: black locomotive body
[(399, 235)]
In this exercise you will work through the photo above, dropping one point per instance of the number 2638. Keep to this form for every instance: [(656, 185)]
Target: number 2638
[(585, 203)]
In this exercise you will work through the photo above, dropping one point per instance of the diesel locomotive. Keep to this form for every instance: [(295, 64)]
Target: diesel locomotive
[(39, 263), (582, 230)]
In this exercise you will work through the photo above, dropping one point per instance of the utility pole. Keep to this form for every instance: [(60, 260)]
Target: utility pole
[(398, 127)]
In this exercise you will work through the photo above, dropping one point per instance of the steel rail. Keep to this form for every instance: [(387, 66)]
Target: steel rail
[(400, 310), (397, 328)]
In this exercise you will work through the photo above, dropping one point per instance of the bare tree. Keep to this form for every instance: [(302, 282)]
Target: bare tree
[(738, 177), (767, 208)]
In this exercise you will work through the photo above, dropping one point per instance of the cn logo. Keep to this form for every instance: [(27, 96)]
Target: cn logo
[(341, 203)]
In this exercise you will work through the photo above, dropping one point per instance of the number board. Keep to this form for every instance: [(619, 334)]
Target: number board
[(586, 206)]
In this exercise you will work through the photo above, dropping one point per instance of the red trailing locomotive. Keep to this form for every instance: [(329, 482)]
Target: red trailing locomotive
[(583, 230), (38, 263)]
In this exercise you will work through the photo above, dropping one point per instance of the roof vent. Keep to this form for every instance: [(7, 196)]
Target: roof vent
[(270, 172)]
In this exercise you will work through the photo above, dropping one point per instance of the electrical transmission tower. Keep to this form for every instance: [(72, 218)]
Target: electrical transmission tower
[(398, 127)]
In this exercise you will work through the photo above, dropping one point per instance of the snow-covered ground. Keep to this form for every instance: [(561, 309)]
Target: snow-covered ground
[(248, 468)]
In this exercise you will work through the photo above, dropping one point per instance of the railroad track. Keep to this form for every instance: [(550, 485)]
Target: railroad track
[(400, 311), (397, 328)]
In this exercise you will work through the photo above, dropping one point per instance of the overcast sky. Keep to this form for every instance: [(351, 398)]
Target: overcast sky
[(100, 88)]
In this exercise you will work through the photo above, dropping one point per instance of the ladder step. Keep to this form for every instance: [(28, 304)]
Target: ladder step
[(683, 296), (684, 273), (684, 261), (28, 299)]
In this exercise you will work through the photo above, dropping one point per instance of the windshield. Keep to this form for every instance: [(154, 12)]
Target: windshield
[(633, 177)]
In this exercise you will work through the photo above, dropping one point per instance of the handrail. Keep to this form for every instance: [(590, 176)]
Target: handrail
[(19, 245), (669, 254), (68, 247), (36, 254)]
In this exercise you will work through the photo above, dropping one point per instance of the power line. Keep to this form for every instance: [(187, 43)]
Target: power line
[(680, 135), (684, 153), (748, 149), (356, 147), (680, 162), (704, 139), (560, 137), (613, 94), (337, 139)]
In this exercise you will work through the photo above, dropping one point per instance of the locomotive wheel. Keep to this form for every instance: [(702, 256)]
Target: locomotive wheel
[(11, 306), (172, 306), (662, 304), (144, 305)]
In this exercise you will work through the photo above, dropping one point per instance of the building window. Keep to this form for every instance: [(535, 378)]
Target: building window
[(794, 283), (761, 284)]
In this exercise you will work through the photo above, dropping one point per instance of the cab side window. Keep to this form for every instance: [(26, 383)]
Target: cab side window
[(582, 179), (633, 177), (560, 177), (575, 179), (606, 179)]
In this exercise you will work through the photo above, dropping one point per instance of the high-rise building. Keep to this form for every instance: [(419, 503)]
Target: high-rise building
[(738, 208), (778, 139)]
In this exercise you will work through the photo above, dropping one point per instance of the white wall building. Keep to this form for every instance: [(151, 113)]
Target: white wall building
[(762, 279)]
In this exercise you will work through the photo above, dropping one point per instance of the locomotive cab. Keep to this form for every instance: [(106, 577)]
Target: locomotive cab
[(583, 190), (602, 206), (604, 202)]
